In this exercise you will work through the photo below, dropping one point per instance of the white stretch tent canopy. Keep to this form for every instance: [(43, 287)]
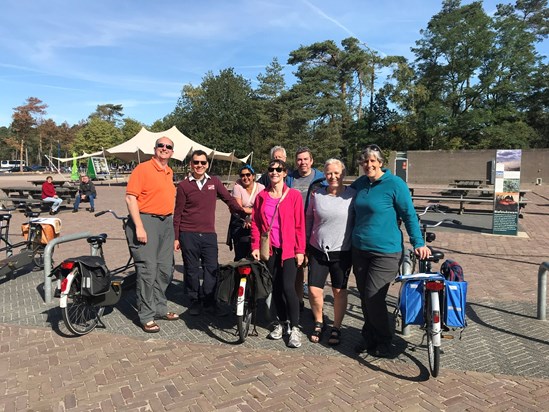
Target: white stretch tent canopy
[(141, 147)]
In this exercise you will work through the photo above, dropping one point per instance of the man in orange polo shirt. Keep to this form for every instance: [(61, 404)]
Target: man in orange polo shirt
[(150, 197)]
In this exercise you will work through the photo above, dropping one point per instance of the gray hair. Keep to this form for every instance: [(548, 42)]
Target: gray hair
[(370, 150), (277, 149), (334, 161), (164, 137)]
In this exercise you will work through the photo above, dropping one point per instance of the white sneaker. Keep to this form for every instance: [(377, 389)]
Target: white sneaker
[(276, 333), (287, 328), (295, 338)]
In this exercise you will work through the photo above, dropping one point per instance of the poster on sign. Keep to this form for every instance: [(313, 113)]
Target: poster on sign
[(506, 192)]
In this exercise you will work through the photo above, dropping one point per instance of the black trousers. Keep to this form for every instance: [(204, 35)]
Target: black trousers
[(374, 272), (200, 254)]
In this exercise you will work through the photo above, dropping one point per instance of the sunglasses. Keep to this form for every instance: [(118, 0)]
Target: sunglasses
[(373, 147), (245, 174), (162, 145), (277, 169), (200, 162)]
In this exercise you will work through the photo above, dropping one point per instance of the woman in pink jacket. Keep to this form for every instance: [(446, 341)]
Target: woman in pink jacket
[(281, 209)]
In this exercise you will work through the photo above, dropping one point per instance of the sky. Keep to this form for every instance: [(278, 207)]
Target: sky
[(77, 54)]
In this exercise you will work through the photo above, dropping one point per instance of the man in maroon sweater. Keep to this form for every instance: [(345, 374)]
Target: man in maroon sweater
[(195, 236)]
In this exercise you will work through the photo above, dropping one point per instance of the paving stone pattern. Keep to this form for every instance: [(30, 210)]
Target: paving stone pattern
[(501, 361)]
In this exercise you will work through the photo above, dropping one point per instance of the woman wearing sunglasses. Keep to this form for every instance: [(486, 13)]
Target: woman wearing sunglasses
[(377, 243), (245, 191), (279, 210)]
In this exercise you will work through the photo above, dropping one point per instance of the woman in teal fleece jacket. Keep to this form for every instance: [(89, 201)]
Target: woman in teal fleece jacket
[(377, 241)]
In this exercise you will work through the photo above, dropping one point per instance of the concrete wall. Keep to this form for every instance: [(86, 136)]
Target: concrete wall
[(444, 166)]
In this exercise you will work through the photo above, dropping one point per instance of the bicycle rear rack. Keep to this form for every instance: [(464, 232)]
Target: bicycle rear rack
[(48, 251)]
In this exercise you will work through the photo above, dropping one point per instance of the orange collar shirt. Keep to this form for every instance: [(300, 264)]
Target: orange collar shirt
[(153, 187)]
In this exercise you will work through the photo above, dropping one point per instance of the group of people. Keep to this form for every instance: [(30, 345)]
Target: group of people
[(314, 222), (86, 193)]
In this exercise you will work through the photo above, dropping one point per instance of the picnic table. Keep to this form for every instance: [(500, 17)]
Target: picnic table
[(30, 192), (467, 183), (56, 183), (467, 195)]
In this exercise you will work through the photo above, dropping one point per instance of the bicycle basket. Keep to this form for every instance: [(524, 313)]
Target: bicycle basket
[(51, 228)]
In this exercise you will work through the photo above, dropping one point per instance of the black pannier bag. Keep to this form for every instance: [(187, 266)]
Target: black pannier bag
[(228, 276), (96, 277)]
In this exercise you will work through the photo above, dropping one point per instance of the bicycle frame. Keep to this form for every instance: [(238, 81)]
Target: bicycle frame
[(31, 251), (244, 272)]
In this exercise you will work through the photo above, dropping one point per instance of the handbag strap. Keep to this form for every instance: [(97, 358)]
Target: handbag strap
[(276, 208)]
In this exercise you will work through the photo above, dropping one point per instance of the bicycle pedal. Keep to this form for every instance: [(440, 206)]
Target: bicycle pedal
[(449, 337)]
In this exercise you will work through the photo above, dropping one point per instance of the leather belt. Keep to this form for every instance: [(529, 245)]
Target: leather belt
[(161, 217)]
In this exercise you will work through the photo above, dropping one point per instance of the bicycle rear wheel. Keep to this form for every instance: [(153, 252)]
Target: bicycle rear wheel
[(244, 321), (80, 315), (432, 350)]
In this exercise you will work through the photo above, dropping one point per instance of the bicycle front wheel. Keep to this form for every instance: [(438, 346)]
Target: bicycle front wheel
[(432, 350), (80, 315)]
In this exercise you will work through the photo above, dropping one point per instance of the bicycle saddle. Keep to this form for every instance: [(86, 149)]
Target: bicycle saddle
[(436, 255), (101, 238)]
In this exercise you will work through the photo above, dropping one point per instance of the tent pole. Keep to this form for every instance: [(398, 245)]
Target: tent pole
[(230, 168), (212, 161), (108, 167)]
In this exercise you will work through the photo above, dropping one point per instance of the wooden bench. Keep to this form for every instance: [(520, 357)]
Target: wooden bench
[(462, 200)]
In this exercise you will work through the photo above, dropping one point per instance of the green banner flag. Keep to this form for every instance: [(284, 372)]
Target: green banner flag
[(74, 171)]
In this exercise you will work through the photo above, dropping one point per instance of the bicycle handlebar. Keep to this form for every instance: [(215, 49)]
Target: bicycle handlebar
[(433, 208), (101, 213), (440, 222)]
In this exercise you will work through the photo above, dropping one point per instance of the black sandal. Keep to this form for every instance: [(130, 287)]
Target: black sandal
[(335, 337), (317, 332)]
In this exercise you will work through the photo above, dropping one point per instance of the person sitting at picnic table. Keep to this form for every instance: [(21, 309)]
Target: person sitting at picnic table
[(49, 195), (86, 193)]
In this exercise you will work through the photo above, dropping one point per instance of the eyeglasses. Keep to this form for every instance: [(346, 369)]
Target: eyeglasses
[(373, 147), (245, 174), (162, 145), (277, 169), (200, 162)]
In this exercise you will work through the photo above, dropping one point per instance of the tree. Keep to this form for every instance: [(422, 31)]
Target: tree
[(97, 135), (219, 113), (48, 132), (449, 56), (130, 128), (108, 112), (273, 116), (25, 119)]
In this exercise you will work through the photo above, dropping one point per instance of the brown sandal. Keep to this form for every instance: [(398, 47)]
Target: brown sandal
[(151, 327), (168, 316)]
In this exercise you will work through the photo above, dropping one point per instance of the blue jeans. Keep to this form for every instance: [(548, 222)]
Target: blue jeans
[(89, 198), (56, 202)]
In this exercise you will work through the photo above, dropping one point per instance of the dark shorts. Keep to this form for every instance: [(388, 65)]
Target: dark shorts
[(337, 264)]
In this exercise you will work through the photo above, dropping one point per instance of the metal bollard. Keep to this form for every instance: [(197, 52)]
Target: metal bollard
[(48, 250), (542, 290)]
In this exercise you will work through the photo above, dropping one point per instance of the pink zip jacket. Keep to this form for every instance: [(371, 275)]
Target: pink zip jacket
[(292, 222)]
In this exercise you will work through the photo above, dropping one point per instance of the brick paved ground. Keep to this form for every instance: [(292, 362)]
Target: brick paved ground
[(501, 363)]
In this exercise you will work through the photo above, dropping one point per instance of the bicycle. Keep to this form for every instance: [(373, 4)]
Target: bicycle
[(37, 232), (86, 286), (241, 284), (429, 292)]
